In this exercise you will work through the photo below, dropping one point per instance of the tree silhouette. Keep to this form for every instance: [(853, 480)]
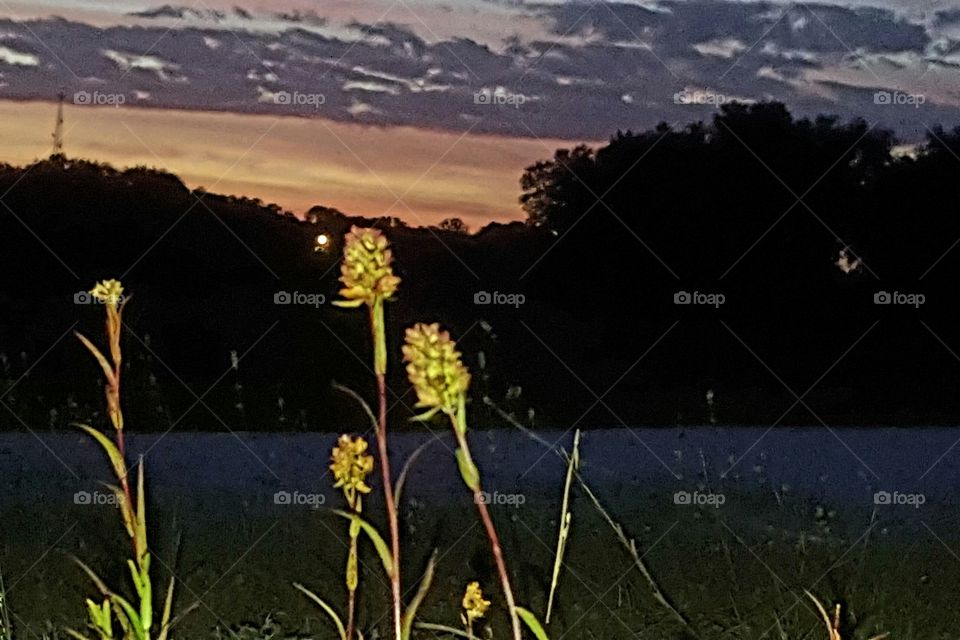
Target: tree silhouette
[(456, 225), (757, 205)]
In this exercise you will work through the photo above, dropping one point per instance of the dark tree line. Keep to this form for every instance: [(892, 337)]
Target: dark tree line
[(798, 224)]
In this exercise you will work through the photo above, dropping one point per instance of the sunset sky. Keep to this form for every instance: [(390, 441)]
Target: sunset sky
[(419, 175), (431, 109)]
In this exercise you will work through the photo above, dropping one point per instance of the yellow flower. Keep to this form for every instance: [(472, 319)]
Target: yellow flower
[(474, 606), (350, 467), (108, 292), (366, 271), (435, 369)]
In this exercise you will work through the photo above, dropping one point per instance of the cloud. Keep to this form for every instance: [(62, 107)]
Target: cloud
[(723, 48), (300, 17), (947, 17), (593, 68), (355, 85), (16, 58), (180, 13)]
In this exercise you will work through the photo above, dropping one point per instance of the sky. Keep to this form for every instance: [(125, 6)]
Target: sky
[(431, 109), (296, 162)]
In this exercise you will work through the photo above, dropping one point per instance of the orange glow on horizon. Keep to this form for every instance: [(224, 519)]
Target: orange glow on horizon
[(418, 175)]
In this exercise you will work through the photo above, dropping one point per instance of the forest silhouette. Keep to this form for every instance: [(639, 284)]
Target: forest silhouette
[(794, 232)]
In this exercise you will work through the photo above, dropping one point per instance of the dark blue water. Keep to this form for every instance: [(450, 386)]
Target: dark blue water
[(839, 466)]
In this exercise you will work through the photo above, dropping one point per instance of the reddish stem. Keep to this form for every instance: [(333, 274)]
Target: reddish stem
[(351, 606), (391, 505), (501, 563), (122, 448)]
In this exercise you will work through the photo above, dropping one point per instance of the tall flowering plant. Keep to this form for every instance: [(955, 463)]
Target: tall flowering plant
[(441, 380), (136, 620), (368, 280)]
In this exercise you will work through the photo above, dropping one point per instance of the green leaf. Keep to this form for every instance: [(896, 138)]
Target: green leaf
[(411, 613), (100, 619), (468, 470), (119, 466), (167, 608), (125, 511), (135, 574), (425, 416), (107, 369), (76, 635), (327, 609), (101, 585), (124, 622), (382, 548), (146, 598), (532, 623), (136, 625)]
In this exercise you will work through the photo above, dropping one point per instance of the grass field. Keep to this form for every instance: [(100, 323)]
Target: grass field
[(735, 565)]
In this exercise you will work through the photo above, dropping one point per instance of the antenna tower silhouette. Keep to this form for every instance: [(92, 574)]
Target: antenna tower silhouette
[(58, 129)]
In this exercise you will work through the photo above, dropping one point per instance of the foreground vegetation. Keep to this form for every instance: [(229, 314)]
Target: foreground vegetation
[(441, 382)]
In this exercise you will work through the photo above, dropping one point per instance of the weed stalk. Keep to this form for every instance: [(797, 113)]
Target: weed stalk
[(368, 279)]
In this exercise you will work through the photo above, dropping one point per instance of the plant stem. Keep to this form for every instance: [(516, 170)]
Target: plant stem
[(351, 606), (377, 328), (391, 505), (501, 564), (113, 399), (352, 598), (480, 501), (566, 518)]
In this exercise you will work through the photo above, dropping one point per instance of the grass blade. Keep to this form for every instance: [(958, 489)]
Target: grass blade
[(167, 608), (100, 584), (532, 623), (566, 517), (411, 613), (107, 369), (119, 466), (326, 608), (402, 478)]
